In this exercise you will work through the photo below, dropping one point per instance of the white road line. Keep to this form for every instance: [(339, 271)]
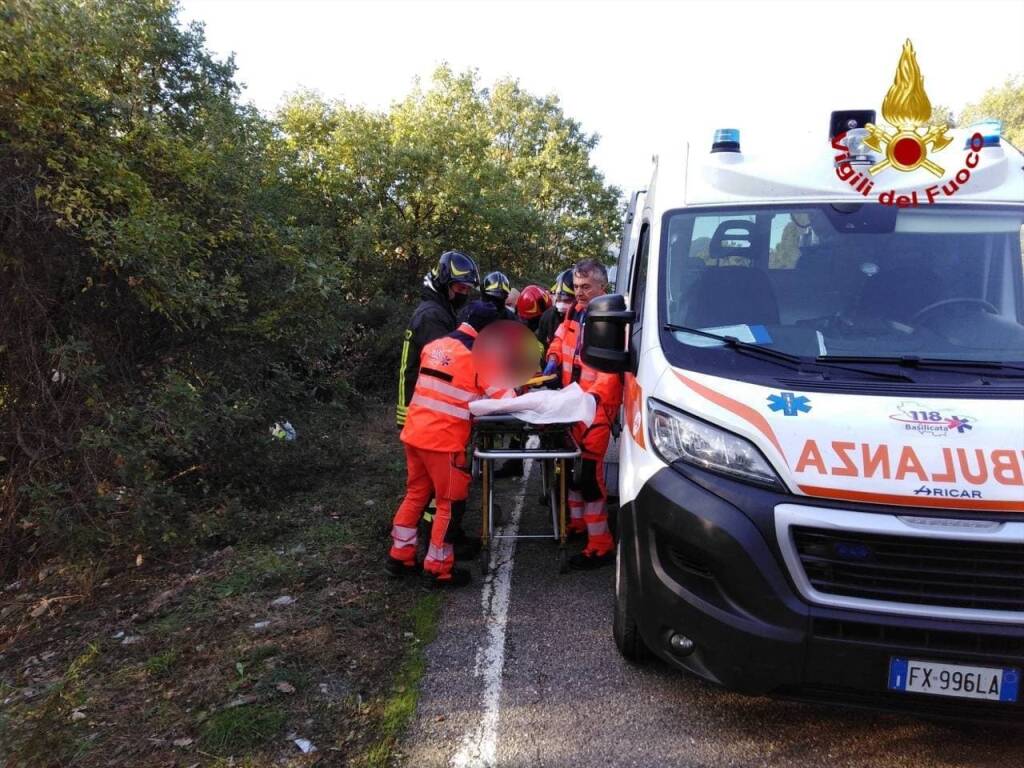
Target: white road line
[(480, 745)]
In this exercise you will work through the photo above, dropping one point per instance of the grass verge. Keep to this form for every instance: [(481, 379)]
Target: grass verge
[(398, 709), (233, 657)]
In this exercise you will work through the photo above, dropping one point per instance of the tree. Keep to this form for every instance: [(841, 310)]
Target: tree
[(178, 271), (154, 291), (497, 172), (942, 115), (1005, 103)]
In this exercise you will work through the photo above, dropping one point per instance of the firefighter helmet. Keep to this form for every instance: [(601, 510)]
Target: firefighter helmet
[(532, 302), (497, 286), (455, 267)]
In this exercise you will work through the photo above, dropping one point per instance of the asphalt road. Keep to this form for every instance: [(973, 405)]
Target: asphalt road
[(524, 672)]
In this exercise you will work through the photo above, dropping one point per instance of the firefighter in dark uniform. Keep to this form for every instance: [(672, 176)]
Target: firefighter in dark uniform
[(445, 291)]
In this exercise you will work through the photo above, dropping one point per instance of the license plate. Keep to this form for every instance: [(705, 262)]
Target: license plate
[(961, 681)]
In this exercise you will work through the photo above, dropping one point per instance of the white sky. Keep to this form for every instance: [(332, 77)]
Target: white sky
[(643, 75)]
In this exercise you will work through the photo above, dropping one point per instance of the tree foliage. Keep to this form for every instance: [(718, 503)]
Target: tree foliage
[(498, 172), (178, 271), (1005, 103)]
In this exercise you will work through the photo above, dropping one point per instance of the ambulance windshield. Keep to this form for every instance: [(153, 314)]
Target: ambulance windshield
[(847, 281)]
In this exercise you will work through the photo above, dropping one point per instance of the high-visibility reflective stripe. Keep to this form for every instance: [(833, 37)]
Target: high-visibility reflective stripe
[(587, 375), (595, 507), (575, 506), (492, 390), (437, 385), (403, 536), (596, 529), (436, 405), (401, 369), (442, 554)]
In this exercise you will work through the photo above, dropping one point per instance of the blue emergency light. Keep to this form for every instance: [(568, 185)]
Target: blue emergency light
[(990, 130), (726, 140)]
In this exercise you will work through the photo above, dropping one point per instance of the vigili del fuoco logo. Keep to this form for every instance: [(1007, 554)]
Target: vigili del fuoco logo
[(906, 146)]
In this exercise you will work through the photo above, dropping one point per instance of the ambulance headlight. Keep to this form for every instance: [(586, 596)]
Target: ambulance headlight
[(679, 437)]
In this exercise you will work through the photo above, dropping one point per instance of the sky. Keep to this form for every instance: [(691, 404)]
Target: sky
[(645, 76)]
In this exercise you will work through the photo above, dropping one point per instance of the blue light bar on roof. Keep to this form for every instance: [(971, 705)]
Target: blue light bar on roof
[(726, 140), (990, 130)]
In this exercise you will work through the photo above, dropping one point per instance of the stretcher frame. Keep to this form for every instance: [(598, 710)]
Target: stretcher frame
[(557, 448)]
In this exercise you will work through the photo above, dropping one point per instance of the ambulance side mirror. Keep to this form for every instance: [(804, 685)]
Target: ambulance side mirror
[(604, 334)]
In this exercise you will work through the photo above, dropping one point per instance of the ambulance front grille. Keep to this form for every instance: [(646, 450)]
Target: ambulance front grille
[(911, 569)]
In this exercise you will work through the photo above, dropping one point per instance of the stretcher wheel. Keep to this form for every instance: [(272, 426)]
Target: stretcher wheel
[(563, 561)]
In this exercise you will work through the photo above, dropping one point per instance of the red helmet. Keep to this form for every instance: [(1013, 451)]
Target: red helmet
[(532, 302)]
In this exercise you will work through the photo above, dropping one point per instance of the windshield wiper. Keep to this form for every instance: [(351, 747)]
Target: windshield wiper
[(911, 361), (782, 358), (741, 346)]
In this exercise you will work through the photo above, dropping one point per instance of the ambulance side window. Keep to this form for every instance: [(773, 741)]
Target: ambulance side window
[(638, 285)]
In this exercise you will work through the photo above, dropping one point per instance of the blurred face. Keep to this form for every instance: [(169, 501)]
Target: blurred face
[(563, 301), (587, 287)]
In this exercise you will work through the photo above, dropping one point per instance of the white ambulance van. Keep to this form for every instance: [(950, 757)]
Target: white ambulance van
[(821, 476)]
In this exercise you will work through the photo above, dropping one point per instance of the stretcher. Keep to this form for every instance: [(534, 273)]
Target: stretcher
[(554, 448)]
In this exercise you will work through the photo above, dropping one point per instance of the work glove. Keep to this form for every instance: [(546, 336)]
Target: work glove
[(551, 367)]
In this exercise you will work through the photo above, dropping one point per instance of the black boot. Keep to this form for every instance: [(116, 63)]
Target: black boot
[(398, 569), (585, 562), (458, 578)]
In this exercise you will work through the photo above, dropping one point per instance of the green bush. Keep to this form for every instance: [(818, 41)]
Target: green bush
[(178, 272)]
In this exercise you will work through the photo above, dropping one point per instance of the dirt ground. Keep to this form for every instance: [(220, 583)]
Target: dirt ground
[(247, 656)]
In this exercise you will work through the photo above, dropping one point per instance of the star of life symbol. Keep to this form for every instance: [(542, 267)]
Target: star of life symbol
[(907, 109), (960, 423), (789, 404), (440, 357)]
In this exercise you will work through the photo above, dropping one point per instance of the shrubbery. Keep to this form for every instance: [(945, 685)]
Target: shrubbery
[(177, 271)]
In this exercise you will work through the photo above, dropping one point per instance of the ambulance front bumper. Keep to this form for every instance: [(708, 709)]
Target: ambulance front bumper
[(703, 560)]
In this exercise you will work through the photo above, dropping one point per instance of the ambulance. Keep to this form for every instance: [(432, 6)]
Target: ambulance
[(821, 467)]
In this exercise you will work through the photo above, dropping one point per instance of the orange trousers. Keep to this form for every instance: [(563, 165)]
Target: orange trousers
[(444, 476), (588, 500)]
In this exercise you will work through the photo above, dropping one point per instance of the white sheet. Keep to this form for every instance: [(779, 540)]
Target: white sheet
[(545, 406)]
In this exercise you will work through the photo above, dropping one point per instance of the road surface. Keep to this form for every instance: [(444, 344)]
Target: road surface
[(524, 672)]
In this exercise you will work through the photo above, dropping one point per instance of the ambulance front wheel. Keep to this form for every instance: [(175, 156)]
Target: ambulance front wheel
[(624, 626)]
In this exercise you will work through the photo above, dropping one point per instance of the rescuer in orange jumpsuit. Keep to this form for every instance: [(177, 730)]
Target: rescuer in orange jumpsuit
[(436, 433), (588, 507)]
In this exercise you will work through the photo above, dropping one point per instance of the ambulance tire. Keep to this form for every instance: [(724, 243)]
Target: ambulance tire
[(624, 626)]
